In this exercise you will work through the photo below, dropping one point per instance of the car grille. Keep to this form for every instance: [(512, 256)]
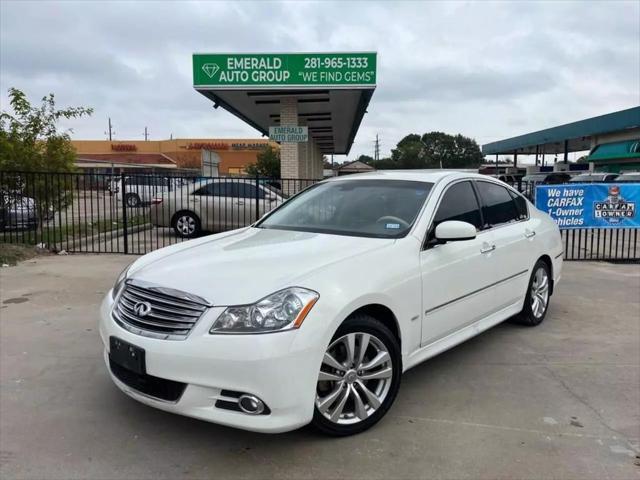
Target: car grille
[(158, 312)]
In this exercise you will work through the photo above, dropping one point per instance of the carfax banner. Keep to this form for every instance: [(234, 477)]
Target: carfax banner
[(591, 205)]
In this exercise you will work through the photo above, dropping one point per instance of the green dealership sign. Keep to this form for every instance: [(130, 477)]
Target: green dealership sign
[(284, 70)]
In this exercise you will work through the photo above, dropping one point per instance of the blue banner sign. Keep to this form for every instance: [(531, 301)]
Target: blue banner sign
[(591, 205)]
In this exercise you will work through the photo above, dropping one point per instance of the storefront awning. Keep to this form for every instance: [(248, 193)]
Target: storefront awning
[(616, 151)]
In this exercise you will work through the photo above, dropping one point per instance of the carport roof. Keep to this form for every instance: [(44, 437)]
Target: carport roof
[(577, 134)]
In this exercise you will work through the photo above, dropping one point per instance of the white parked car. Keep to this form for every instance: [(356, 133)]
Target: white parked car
[(143, 189), (313, 313)]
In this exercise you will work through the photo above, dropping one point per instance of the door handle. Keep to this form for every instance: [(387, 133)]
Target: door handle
[(487, 248), (529, 233)]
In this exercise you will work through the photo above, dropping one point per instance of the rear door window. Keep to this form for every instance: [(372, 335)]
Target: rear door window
[(498, 208), (218, 189), (248, 190)]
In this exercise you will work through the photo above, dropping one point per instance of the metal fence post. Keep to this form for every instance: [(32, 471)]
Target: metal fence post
[(124, 212), (257, 196)]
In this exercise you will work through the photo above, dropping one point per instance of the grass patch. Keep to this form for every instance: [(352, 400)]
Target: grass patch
[(52, 235), (11, 254)]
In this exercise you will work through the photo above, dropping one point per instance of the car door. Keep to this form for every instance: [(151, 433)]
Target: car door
[(247, 198), (211, 203), (505, 214), (456, 276)]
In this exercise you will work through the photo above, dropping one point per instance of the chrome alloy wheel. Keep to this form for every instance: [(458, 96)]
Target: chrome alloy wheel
[(186, 224), (354, 379), (539, 292)]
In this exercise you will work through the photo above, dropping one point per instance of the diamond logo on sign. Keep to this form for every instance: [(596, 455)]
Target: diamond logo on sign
[(210, 69)]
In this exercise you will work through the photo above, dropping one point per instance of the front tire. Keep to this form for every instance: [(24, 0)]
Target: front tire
[(536, 302), (359, 377)]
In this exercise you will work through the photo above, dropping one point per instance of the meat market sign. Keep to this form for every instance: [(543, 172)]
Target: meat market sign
[(284, 70)]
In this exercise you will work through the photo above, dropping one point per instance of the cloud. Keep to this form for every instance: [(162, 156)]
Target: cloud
[(485, 69)]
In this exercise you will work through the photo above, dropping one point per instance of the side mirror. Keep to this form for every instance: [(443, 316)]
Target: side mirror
[(455, 231)]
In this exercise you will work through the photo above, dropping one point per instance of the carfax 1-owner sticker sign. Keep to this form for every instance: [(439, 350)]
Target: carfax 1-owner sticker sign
[(594, 205)]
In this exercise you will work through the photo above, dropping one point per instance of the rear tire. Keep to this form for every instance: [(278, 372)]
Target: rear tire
[(132, 200), (186, 224), (536, 302), (356, 388)]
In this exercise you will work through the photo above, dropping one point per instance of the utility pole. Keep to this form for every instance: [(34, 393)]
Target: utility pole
[(376, 151), (146, 134), (111, 131)]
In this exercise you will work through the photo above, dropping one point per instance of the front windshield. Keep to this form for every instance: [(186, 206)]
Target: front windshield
[(364, 208)]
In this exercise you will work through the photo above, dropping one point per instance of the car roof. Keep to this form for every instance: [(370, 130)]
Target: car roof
[(431, 176)]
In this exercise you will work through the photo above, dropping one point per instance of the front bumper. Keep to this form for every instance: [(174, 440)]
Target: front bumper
[(279, 368)]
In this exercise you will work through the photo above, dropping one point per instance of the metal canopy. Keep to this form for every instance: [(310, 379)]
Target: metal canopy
[(577, 135), (332, 90), (333, 116)]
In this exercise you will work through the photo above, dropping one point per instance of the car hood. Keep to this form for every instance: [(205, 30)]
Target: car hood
[(246, 265)]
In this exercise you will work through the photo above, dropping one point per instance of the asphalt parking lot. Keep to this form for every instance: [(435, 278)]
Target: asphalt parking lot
[(558, 401)]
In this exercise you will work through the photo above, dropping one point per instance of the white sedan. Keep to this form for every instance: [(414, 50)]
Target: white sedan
[(312, 314)]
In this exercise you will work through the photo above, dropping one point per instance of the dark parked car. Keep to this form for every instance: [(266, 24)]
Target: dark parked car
[(529, 182), (547, 178), (17, 212)]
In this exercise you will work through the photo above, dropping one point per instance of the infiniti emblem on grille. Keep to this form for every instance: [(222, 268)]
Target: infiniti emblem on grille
[(142, 309)]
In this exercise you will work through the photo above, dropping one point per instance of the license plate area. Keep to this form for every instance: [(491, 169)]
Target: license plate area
[(127, 356)]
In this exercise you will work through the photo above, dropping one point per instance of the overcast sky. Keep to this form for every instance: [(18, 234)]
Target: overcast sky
[(486, 70)]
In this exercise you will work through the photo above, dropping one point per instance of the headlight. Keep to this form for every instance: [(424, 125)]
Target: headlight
[(279, 311), (119, 282)]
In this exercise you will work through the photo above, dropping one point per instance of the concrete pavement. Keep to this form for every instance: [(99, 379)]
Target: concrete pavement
[(558, 401)]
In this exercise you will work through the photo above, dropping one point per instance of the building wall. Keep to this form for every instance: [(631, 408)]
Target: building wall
[(235, 154)]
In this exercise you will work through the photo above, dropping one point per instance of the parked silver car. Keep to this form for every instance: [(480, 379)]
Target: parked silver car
[(214, 205), (592, 177)]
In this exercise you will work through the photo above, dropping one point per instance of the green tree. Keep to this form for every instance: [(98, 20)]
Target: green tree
[(450, 151), (408, 153), (267, 163), (30, 142)]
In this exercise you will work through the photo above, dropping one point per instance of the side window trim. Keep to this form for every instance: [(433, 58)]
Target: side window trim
[(476, 192)]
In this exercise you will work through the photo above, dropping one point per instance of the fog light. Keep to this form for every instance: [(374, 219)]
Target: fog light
[(251, 404)]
